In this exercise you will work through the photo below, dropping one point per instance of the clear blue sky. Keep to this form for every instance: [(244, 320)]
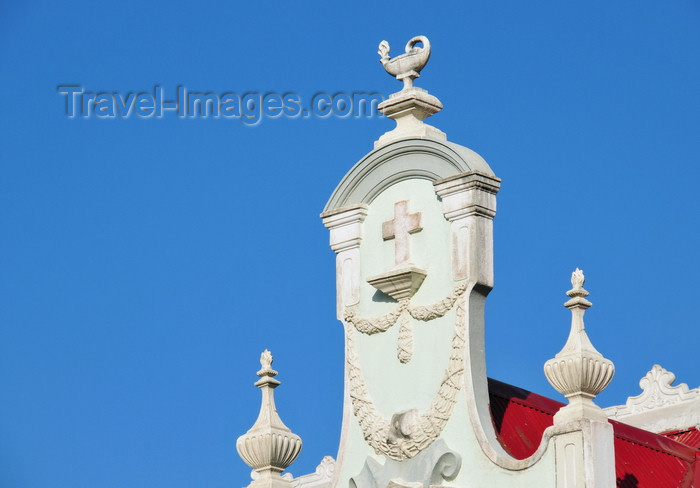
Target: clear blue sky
[(146, 263)]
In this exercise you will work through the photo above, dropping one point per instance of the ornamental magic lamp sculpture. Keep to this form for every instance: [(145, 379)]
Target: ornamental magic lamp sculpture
[(406, 67), (269, 447), (411, 105)]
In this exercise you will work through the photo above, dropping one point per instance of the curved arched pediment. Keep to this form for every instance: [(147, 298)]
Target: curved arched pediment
[(427, 159)]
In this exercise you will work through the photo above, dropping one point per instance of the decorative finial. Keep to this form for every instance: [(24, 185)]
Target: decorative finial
[(269, 447), (266, 363), (406, 67), (579, 371), (577, 281), (410, 106)]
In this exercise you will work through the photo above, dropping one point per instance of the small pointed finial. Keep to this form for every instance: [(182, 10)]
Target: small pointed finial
[(579, 371), (577, 281), (268, 447), (266, 363)]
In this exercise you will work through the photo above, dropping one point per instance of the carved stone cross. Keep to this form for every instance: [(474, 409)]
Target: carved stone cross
[(399, 228)]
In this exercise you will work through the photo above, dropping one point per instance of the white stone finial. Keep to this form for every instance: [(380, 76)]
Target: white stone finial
[(406, 67), (266, 363), (577, 281), (410, 106), (269, 447), (579, 371)]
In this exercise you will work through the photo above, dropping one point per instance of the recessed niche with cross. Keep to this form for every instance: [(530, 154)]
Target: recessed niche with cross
[(400, 228)]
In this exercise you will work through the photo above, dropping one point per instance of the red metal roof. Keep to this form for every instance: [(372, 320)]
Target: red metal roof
[(689, 437), (642, 459)]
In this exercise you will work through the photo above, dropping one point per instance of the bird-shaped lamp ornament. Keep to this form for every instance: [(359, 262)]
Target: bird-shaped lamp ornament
[(410, 106), (406, 67)]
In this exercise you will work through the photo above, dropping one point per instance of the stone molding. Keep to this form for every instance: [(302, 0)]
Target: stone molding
[(321, 478), (477, 392), (429, 469), (399, 283), (469, 204), (660, 407), (405, 159), (658, 392), (345, 225), (466, 194), (408, 109)]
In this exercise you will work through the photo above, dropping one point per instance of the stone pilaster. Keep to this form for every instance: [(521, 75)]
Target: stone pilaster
[(469, 203), (584, 454), (345, 225)]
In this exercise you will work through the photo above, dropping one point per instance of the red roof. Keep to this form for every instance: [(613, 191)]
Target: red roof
[(642, 459), (689, 437)]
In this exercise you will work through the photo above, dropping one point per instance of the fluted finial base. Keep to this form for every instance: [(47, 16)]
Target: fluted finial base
[(579, 373)]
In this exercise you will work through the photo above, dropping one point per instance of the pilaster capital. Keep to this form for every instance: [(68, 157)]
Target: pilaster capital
[(466, 194), (345, 225)]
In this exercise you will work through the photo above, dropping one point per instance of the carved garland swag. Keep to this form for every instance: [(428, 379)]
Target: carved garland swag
[(410, 432)]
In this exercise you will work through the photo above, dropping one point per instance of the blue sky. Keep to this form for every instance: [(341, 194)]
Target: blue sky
[(147, 262)]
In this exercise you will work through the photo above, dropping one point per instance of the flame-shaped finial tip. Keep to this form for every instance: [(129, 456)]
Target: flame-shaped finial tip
[(577, 279), (266, 363), (266, 359)]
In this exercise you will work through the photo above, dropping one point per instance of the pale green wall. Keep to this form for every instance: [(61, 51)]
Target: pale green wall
[(394, 386)]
